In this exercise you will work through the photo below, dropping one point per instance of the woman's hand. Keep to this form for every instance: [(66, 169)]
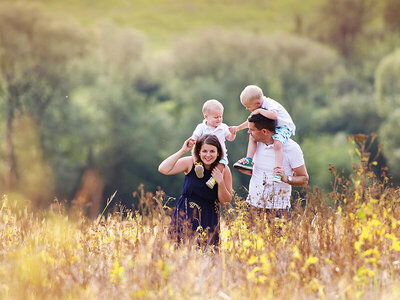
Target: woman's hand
[(217, 175), (188, 144)]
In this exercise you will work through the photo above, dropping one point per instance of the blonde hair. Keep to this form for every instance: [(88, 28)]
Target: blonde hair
[(251, 94), (211, 105)]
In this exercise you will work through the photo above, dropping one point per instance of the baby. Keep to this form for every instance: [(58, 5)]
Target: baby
[(212, 124)]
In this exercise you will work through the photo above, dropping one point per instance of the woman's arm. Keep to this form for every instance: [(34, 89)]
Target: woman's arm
[(175, 164), (224, 181)]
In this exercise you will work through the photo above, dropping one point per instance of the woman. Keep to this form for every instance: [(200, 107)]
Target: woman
[(199, 205)]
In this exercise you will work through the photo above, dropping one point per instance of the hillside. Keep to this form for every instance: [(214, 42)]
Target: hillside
[(163, 20)]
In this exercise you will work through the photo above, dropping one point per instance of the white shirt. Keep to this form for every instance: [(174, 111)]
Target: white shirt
[(283, 116), (221, 132), (265, 193)]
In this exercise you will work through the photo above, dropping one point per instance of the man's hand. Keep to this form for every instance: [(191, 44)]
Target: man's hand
[(244, 171), (280, 171)]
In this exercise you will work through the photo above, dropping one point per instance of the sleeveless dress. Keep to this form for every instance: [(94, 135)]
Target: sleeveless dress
[(197, 206)]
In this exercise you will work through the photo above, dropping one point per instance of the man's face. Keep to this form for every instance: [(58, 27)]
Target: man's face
[(255, 133)]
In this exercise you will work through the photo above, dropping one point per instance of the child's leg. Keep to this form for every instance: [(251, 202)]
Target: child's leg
[(278, 149), (251, 148), (221, 167), (282, 134), (247, 162)]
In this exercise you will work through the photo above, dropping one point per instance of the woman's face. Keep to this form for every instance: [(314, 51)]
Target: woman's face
[(208, 154)]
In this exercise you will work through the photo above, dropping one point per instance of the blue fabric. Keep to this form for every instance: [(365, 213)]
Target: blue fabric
[(198, 205), (282, 134)]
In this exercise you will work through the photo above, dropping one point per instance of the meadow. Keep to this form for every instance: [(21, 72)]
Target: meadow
[(162, 21), (347, 250)]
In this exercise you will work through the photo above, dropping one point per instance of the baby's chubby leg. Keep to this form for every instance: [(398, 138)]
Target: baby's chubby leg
[(251, 148), (278, 149)]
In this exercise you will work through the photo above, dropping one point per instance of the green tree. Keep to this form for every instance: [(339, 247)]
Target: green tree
[(391, 13), (342, 22), (322, 151), (387, 88), (390, 137), (387, 84), (38, 55)]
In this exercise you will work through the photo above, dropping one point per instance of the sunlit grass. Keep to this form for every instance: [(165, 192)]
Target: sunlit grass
[(164, 20), (348, 250)]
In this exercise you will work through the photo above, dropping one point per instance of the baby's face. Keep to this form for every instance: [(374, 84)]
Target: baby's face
[(251, 106), (214, 118)]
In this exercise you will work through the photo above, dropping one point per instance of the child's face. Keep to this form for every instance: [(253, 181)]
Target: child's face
[(214, 118), (251, 105)]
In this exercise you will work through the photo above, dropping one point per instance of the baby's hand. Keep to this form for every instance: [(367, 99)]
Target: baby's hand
[(256, 111), (233, 129), (188, 144)]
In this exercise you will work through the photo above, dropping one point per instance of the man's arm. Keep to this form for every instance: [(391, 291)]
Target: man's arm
[(245, 171), (299, 178)]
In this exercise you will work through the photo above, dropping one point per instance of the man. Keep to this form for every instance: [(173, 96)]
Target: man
[(265, 194)]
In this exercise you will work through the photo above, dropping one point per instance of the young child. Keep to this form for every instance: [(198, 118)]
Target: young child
[(253, 99), (212, 124)]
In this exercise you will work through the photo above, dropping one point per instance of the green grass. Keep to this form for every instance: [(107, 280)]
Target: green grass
[(164, 20)]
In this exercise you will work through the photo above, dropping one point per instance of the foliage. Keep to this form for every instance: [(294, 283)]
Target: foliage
[(323, 151), (391, 139), (343, 21), (349, 251), (39, 55), (391, 12), (359, 108), (387, 84), (99, 99)]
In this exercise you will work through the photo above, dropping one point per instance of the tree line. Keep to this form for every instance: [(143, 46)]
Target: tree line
[(86, 109)]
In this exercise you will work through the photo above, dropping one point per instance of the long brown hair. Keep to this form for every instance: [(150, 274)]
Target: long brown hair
[(212, 140)]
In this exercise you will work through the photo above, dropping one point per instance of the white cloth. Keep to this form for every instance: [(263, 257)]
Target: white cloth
[(283, 116), (221, 132), (265, 193)]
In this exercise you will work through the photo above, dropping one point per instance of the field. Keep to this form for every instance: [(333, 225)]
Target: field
[(164, 20), (348, 250)]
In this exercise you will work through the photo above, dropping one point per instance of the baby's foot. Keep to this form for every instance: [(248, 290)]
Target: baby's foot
[(210, 183), (276, 178), (244, 163), (199, 169)]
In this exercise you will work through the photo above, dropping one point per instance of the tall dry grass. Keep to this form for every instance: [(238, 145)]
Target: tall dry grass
[(348, 249)]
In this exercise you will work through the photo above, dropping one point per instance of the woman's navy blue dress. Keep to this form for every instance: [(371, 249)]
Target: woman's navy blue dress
[(198, 205)]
